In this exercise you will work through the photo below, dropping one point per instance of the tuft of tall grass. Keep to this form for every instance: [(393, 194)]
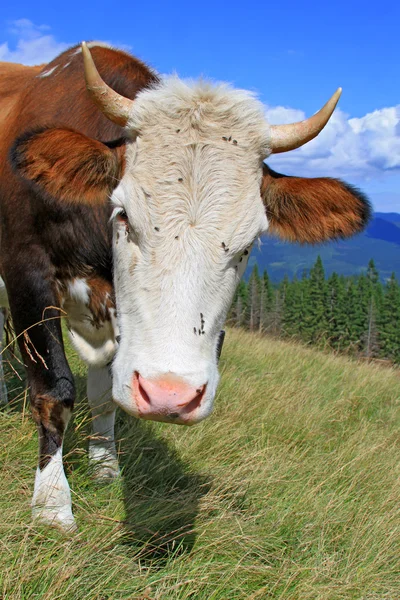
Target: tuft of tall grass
[(289, 490)]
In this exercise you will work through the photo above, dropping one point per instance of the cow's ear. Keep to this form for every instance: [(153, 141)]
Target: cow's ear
[(67, 165), (312, 210)]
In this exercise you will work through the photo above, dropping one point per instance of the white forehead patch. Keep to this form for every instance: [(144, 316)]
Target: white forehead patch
[(196, 165), (203, 111)]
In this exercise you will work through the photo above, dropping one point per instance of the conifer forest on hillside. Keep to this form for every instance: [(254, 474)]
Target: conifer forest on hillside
[(358, 315)]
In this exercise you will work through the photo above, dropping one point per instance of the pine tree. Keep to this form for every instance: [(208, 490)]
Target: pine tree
[(372, 273), (389, 329), (293, 309), (275, 315), (370, 338), (315, 315), (253, 308), (238, 310), (364, 294), (336, 311), (370, 291), (266, 300), (353, 330)]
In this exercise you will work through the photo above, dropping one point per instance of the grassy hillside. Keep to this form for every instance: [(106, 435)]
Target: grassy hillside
[(289, 490)]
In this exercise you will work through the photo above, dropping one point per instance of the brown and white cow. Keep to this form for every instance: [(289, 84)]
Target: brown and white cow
[(128, 203)]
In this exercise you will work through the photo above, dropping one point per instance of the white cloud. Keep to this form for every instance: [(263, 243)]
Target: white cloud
[(363, 148), (33, 45)]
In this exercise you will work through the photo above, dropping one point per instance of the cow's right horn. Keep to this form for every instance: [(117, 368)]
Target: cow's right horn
[(115, 107), (294, 135)]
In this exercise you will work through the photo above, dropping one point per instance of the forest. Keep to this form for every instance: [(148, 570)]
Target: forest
[(359, 315)]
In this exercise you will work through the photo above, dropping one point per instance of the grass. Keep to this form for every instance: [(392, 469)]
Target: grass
[(289, 490)]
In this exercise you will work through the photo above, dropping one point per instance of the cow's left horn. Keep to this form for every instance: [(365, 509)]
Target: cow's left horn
[(294, 135), (114, 106)]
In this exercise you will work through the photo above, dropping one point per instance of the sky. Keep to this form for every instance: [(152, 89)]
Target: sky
[(293, 55)]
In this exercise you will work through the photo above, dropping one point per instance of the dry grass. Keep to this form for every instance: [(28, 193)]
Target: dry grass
[(290, 490)]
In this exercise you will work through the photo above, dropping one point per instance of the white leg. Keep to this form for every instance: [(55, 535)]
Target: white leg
[(3, 388), (102, 451), (51, 502)]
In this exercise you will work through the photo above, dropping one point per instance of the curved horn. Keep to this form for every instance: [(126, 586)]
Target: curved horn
[(294, 135), (114, 106)]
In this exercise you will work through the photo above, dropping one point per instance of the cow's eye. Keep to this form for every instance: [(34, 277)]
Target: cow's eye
[(122, 216)]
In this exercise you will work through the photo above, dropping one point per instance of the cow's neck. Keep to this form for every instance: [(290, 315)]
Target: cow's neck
[(78, 239)]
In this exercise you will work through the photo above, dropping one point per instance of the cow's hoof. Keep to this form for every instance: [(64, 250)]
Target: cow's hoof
[(103, 463), (60, 518), (105, 472)]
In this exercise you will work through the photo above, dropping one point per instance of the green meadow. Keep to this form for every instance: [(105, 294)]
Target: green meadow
[(289, 490)]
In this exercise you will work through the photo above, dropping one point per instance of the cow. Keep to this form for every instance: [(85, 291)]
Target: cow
[(129, 204)]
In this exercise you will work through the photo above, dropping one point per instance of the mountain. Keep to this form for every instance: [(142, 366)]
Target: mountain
[(382, 229), (380, 241), (392, 217)]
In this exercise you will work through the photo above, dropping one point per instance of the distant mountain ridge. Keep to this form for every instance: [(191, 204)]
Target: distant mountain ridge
[(382, 229), (380, 241), (392, 217)]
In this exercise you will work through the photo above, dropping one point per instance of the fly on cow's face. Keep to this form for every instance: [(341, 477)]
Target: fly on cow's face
[(224, 247)]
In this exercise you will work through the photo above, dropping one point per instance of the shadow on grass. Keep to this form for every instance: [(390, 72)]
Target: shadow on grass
[(161, 492)]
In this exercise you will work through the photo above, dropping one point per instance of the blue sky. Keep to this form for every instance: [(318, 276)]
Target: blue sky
[(294, 54)]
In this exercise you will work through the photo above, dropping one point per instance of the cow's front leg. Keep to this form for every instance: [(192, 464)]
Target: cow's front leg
[(51, 407), (102, 451), (51, 502), (52, 391)]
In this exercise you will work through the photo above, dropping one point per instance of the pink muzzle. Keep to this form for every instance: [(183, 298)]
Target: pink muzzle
[(166, 398)]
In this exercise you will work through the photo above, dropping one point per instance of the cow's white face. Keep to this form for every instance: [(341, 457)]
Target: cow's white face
[(187, 212)]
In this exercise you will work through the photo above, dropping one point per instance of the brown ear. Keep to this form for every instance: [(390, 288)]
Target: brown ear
[(312, 210), (67, 165)]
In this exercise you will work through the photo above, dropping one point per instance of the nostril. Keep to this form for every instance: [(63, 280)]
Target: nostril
[(195, 402), (199, 395), (144, 394)]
